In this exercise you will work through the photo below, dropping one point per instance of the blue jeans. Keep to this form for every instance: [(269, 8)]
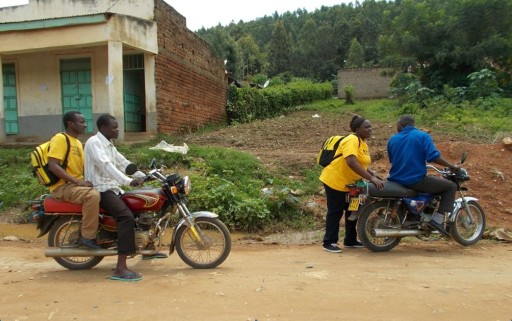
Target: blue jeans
[(438, 186), (336, 205)]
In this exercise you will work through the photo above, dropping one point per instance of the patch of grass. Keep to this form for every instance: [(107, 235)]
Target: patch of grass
[(17, 183)]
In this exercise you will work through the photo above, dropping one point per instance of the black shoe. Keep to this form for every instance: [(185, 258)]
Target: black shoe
[(333, 248), (438, 227), (89, 243), (354, 245)]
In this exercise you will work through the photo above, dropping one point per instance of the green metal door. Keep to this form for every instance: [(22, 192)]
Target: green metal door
[(10, 99), (133, 90), (75, 77)]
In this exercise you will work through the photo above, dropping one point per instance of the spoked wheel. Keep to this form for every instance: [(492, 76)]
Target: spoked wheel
[(206, 245), (468, 227), (65, 233), (377, 215)]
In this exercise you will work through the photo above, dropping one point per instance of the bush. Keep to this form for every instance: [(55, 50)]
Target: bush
[(247, 104), (349, 91)]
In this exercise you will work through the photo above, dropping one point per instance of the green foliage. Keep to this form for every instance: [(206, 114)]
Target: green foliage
[(349, 94), (238, 209), (248, 104), (440, 41), (355, 54), (279, 49), (17, 183), (483, 83)]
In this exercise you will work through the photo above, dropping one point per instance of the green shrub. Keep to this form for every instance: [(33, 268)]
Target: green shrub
[(349, 91), (247, 104)]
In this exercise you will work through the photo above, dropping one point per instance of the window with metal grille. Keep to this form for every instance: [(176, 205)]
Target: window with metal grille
[(133, 62)]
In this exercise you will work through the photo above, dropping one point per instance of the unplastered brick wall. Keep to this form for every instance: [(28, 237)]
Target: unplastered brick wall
[(191, 84), (367, 83)]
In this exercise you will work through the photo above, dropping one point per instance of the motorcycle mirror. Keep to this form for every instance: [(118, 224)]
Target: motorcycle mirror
[(152, 164), (130, 169), (463, 158)]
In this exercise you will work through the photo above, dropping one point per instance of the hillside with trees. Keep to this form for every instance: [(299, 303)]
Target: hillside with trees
[(440, 41)]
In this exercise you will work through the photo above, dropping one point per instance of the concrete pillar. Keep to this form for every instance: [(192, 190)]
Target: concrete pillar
[(2, 106), (114, 81), (150, 88)]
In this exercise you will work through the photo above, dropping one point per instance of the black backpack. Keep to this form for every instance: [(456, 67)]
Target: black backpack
[(326, 154)]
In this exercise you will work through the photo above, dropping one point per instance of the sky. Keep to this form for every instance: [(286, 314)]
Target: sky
[(205, 13)]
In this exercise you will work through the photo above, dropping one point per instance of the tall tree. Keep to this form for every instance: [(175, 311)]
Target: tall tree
[(252, 59), (355, 54), (279, 50)]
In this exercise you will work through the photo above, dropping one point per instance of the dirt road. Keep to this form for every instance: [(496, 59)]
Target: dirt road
[(416, 281)]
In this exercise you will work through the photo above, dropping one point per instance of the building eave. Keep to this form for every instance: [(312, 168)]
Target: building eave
[(53, 23)]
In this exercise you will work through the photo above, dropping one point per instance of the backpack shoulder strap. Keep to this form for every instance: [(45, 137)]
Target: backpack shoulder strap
[(338, 143), (68, 144)]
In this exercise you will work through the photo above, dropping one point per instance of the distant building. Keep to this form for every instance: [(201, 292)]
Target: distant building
[(134, 59), (367, 83)]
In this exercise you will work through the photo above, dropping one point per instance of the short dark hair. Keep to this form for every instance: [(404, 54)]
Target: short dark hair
[(104, 120), (70, 116), (406, 120)]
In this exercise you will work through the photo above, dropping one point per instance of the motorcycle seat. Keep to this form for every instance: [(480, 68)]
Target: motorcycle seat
[(51, 205), (391, 189)]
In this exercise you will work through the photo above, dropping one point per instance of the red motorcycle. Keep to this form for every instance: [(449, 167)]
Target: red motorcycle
[(200, 238)]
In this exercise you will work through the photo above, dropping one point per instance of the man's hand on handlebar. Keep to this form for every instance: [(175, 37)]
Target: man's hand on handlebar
[(137, 182)]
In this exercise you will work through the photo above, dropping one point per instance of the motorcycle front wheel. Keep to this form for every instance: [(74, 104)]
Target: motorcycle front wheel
[(468, 227), (377, 215), (65, 233), (204, 245)]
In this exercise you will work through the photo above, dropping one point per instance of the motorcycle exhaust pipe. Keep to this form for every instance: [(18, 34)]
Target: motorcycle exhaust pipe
[(77, 251), (378, 232), (83, 252)]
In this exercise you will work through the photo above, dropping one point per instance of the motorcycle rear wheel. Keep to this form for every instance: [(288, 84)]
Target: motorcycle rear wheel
[(214, 248), (65, 232), (377, 215), (462, 231)]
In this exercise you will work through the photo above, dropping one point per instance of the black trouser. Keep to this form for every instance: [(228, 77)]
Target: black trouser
[(438, 186), (336, 205), (112, 203)]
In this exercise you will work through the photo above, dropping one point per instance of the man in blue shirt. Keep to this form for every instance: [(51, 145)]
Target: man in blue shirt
[(409, 150)]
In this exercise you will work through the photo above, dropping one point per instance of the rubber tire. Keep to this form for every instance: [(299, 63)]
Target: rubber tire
[(68, 262), (221, 229), (362, 226), (454, 228)]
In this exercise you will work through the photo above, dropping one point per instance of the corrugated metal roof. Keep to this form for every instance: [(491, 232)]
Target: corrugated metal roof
[(100, 7), (53, 22)]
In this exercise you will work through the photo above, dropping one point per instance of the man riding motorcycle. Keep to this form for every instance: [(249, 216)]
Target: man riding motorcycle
[(409, 150)]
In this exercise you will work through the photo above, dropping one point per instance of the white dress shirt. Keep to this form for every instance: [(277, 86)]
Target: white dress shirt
[(104, 166)]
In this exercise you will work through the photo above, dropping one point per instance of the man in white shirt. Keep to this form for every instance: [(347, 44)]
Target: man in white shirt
[(104, 167)]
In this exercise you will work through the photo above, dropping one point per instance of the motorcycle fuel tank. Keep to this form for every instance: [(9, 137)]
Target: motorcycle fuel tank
[(144, 199)]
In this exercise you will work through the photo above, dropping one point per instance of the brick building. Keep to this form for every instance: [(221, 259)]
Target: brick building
[(134, 59)]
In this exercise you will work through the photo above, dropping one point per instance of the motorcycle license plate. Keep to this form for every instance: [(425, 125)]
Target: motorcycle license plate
[(354, 204)]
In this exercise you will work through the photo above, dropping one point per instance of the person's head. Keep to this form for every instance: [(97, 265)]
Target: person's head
[(107, 126), (404, 121), (361, 127), (74, 123)]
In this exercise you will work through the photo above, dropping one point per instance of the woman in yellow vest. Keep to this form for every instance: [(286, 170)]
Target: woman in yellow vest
[(344, 170)]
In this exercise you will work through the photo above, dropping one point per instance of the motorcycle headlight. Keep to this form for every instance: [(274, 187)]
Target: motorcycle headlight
[(462, 174), (186, 185)]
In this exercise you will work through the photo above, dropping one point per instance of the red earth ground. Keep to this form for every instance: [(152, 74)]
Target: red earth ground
[(291, 142)]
